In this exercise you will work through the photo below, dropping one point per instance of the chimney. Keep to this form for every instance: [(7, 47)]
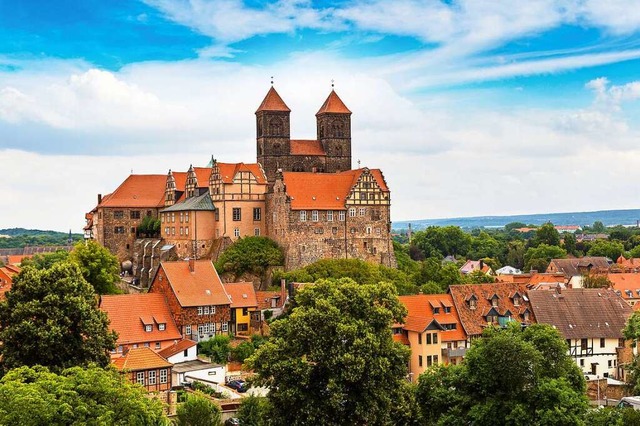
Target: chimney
[(192, 264), (283, 291), (99, 198), (558, 289), (481, 264)]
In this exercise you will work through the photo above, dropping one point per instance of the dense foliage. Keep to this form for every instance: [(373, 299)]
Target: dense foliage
[(254, 411), (333, 361), (20, 238), (198, 410), (510, 376), (250, 255), (77, 396), (51, 317)]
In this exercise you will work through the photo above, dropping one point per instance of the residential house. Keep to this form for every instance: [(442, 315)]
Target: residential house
[(187, 366), (196, 297), (432, 330), (243, 302), (476, 265), (508, 270), (181, 351), (627, 286), (591, 320), (535, 280), (141, 320), (627, 265), (575, 269), (484, 305), (145, 367)]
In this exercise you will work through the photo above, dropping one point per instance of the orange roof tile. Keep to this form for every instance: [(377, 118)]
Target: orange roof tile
[(177, 347), (628, 284), (6, 281), (265, 297), (306, 147), (401, 338), (242, 295), (198, 288), (324, 191), (229, 170), (420, 313), (138, 191), (273, 102), (334, 105), (140, 359), (474, 320), (128, 313), (16, 259)]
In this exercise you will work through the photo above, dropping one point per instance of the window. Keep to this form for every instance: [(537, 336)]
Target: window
[(118, 230), (516, 300), (200, 330), (472, 304), (257, 214), (303, 216), (330, 216), (494, 301), (213, 310), (181, 217), (435, 359), (341, 216), (429, 361), (602, 342), (200, 310), (152, 377), (135, 214), (173, 230), (181, 230), (436, 310), (256, 232), (133, 231), (164, 375), (187, 330), (225, 327), (147, 344), (186, 217), (610, 363), (166, 230), (377, 231), (236, 232), (352, 212), (419, 338), (584, 344), (206, 328), (334, 230), (161, 326), (206, 310), (314, 215), (120, 349), (447, 309), (420, 360), (185, 353), (186, 230), (435, 338), (157, 345), (173, 217), (140, 378), (362, 211), (118, 214), (148, 328), (368, 230), (526, 316), (237, 214), (217, 215), (162, 217), (428, 338), (581, 362), (621, 343)]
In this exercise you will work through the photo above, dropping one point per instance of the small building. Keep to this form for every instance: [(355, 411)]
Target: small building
[(145, 367), (141, 320), (243, 302), (476, 265), (181, 351), (196, 297), (591, 319), (433, 332), (575, 269)]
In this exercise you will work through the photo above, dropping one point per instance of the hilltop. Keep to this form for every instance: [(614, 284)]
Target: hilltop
[(20, 237)]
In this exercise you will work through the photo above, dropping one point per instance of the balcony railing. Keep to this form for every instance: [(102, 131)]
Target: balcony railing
[(453, 352)]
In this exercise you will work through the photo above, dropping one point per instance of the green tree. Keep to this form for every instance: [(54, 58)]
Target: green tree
[(514, 225), (333, 361), (46, 260), (217, 348), (51, 317), (546, 234), (77, 396), (478, 277), (514, 376), (250, 254), (484, 245), (598, 227), (254, 411), (538, 258), (515, 254), (198, 410), (99, 267), (596, 281), (610, 249), (403, 258), (438, 241), (569, 243)]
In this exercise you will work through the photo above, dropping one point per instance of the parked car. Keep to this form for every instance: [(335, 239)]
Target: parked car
[(232, 421), (238, 385)]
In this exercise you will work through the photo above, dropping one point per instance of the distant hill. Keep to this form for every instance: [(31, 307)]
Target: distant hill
[(607, 217), (20, 237)]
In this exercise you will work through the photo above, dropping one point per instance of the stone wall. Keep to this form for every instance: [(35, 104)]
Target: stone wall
[(116, 228)]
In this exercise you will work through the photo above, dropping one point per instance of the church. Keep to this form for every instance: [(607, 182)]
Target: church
[(301, 193)]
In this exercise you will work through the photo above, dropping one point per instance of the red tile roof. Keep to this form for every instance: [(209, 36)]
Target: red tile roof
[(420, 314), (324, 191), (128, 313), (199, 288), (140, 359), (265, 297), (242, 295), (6, 280), (626, 283), (273, 102), (474, 320), (177, 347), (334, 105), (306, 147), (138, 191), (16, 259), (401, 338), (229, 170)]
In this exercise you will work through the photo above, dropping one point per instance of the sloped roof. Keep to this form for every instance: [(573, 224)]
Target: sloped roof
[(582, 312), (420, 313), (242, 295), (265, 297), (324, 191), (140, 359), (16, 259), (138, 191), (333, 105), (576, 266), (128, 313), (201, 202), (273, 102), (474, 320), (199, 288), (306, 147), (625, 283), (229, 170), (177, 347)]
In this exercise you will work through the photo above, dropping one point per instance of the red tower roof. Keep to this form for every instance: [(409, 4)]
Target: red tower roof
[(273, 102), (334, 105)]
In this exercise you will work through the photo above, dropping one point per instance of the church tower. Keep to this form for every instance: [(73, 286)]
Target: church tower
[(334, 133), (273, 134)]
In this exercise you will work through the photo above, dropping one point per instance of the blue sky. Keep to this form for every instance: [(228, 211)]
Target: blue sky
[(483, 101)]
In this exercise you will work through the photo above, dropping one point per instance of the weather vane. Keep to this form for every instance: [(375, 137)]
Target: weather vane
[(272, 80), (332, 85)]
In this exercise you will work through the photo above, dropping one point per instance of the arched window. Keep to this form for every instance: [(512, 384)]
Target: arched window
[(275, 127)]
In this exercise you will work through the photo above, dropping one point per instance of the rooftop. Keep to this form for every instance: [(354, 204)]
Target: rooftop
[(140, 359), (198, 288), (242, 295)]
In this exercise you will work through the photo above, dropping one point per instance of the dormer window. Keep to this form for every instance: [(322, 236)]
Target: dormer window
[(148, 328), (162, 327), (473, 304), (494, 301), (206, 310), (436, 311), (516, 299), (525, 316), (447, 309)]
